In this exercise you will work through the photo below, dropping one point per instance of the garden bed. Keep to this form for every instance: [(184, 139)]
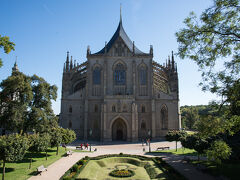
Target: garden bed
[(121, 166)]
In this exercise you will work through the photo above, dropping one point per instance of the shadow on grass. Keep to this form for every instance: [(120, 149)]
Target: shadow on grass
[(36, 155), (33, 173), (52, 150), (7, 169)]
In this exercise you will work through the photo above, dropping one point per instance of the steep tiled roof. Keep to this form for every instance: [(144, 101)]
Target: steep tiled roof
[(120, 33)]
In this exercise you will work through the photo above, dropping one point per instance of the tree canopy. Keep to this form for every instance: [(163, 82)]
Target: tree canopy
[(25, 103), (12, 148), (211, 39), (7, 46)]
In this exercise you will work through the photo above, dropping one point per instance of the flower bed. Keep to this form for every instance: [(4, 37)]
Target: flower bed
[(122, 173)]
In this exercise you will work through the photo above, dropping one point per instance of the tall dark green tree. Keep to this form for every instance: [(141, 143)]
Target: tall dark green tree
[(7, 46), (214, 39), (25, 103), (41, 116), (15, 98)]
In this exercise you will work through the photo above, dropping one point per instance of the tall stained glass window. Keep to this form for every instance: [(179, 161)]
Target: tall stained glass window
[(97, 76), (143, 75), (120, 75)]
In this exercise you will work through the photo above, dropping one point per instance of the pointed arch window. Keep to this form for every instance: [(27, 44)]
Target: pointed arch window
[(70, 109), (113, 108), (164, 117), (119, 74), (143, 109), (97, 76), (143, 75)]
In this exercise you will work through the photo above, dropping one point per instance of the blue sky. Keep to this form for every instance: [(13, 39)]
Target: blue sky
[(45, 30)]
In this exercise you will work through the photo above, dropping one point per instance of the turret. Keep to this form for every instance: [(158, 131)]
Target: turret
[(67, 62), (169, 64), (88, 50), (15, 67), (151, 50), (71, 64), (74, 63), (173, 63)]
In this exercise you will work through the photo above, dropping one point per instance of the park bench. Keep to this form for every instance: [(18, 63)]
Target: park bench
[(69, 152), (162, 148), (79, 147), (41, 168)]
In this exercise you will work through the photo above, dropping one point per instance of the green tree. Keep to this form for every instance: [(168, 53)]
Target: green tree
[(219, 151), (12, 148), (68, 135), (38, 143), (196, 142), (175, 136), (209, 126), (190, 116), (25, 103), (56, 138), (213, 37), (7, 46), (41, 115), (15, 98)]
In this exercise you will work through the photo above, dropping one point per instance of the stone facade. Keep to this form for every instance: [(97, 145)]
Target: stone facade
[(120, 93)]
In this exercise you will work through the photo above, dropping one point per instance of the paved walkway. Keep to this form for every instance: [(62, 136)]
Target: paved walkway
[(57, 169)]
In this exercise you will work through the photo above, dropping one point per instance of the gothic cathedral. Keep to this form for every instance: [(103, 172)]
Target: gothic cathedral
[(120, 93)]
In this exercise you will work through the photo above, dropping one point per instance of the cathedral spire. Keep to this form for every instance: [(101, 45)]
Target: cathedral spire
[(15, 67), (120, 13), (173, 61), (169, 64), (67, 61), (71, 63)]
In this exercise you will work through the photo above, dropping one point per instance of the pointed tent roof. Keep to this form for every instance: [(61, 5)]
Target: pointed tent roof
[(120, 32)]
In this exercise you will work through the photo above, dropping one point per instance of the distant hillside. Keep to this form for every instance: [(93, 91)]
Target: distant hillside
[(190, 114)]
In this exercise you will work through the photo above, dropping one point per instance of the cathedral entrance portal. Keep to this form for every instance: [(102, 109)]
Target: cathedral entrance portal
[(119, 130)]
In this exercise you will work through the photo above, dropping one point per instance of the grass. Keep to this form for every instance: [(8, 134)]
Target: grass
[(180, 151), (227, 169), (20, 170), (100, 169)]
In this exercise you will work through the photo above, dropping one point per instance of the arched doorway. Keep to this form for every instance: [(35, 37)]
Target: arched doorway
[(119, 130)]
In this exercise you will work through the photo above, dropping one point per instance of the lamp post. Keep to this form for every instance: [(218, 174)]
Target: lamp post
[(149, 134), (90, 134)]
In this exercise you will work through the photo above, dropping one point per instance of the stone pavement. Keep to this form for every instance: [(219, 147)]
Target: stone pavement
[(57, 169)]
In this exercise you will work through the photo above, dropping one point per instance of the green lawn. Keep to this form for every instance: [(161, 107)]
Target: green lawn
[(100, 169), (20, 170), (180, 151), (227, 169)]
